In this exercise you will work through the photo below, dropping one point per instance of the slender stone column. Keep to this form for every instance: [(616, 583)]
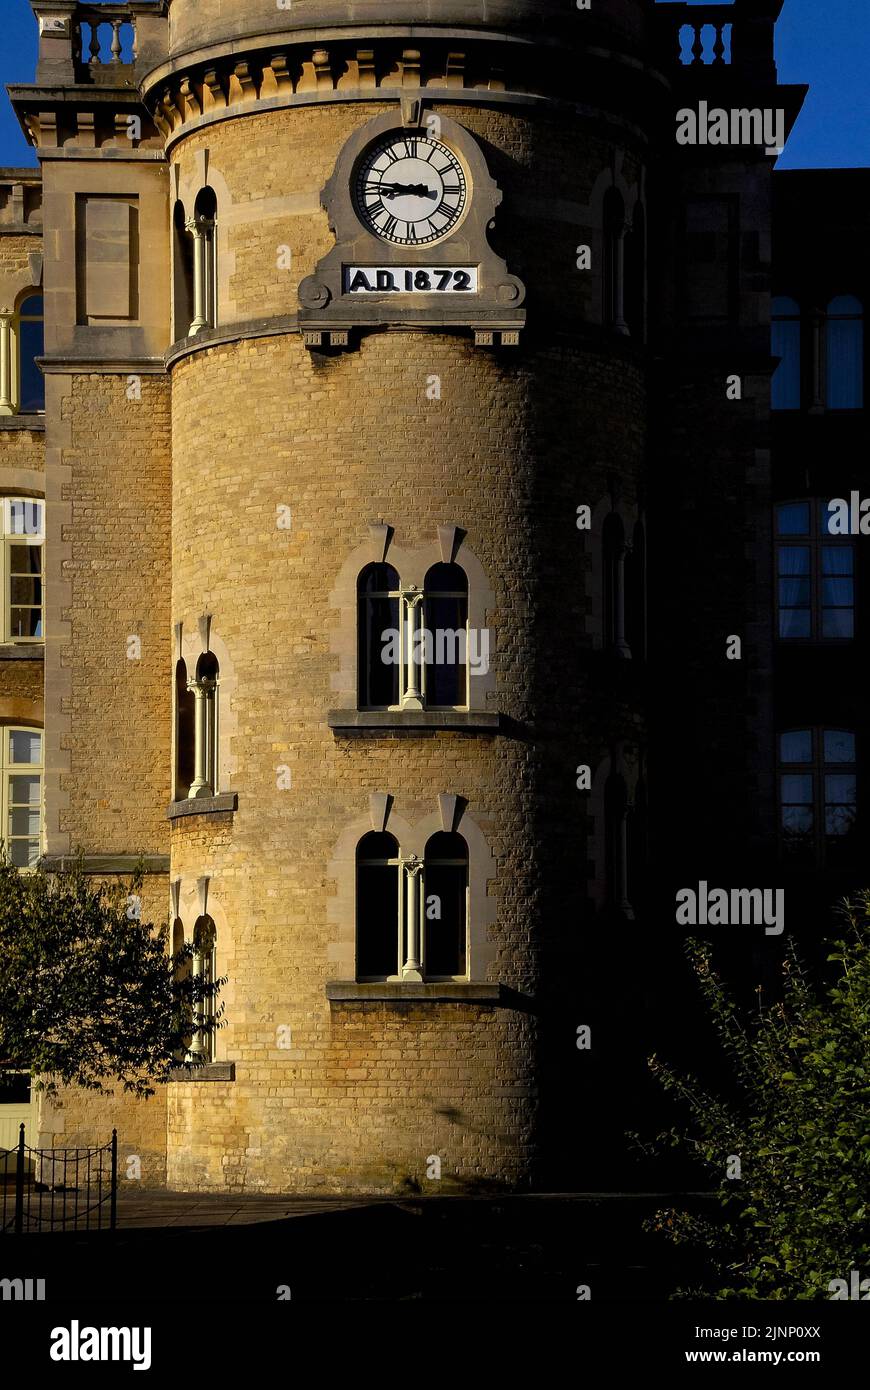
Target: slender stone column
[(412, 969), (200, 229), (413, 605), (7, 405), (203, 758)]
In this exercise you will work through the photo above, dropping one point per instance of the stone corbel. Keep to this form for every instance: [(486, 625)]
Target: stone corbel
[(204, 625), (381, 536), (380, 806), (213, 95), (241, 85), (191, 104)]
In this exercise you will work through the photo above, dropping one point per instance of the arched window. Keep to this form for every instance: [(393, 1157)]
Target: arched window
[(635, 593), (613, 290), (413, 645), (411, 913), (445, 908), (818, 793), (844, 353), (616, 845), (22, 341), (785, 343), (31, 345), (205, 688), (21, 753), (23, 523), (378, 907), (379, 637), (815, 575), (203, 968), (445, 610), (202, 228), (613, 556), (185, 733), (182, 273), (635, 275)]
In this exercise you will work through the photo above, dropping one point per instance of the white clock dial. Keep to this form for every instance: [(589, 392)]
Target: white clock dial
[(410, 190)]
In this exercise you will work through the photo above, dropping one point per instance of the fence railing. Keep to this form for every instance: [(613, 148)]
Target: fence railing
[(58, 1189)]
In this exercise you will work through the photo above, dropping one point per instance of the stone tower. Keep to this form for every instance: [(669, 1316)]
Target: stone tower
[(347, 326)]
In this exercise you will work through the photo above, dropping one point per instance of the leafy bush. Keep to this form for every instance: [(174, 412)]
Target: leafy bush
[(87, 995), (798, 1216)]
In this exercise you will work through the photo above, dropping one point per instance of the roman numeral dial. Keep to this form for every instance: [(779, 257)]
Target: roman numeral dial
[(410, 190)]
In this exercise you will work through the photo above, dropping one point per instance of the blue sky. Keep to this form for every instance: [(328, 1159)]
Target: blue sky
[(823, 42)]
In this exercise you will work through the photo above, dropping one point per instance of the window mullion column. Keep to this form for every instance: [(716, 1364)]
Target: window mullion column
[(413, 874), (7, 404), (203, 692), (412, 697)]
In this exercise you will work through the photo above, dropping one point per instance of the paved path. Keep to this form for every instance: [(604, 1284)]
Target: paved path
[(158, 1208)]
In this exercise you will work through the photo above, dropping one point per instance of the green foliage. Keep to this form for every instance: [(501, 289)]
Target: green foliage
[(799, 1121), (87, 995)]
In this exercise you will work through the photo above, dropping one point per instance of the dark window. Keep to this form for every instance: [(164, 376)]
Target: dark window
[(844, 353), (378, 907), (635, 275), (818, 790), (185, 732), (815, 575), (613, 288), (31, 345), (446, 622), (785, 390), (445, 908), (379, 670)]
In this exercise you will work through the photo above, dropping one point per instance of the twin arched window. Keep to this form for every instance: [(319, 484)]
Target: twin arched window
[(197, 729), (411, 914), (201, 963), (196, 266), (832, 358), (413, 643), (22, 342)]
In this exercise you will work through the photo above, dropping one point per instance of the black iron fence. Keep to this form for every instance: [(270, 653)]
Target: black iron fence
[(58, 1189)]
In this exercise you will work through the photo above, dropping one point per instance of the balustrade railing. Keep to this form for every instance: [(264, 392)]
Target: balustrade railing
[(105, 35)]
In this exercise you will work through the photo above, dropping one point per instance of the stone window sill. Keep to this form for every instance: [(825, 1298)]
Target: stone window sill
[(401, 992), (351, 721), (23, 422), (22, 651), (211, 1071), (204, 806)]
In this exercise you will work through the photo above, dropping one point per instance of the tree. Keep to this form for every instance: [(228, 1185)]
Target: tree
[(795, 1205), (90, 994)]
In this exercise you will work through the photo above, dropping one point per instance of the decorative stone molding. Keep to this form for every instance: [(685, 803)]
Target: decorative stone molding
[(413, 838)]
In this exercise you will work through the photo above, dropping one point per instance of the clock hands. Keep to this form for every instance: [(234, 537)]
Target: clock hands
[(400, 190)]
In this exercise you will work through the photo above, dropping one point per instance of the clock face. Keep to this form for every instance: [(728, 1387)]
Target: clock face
[(410, 190)]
